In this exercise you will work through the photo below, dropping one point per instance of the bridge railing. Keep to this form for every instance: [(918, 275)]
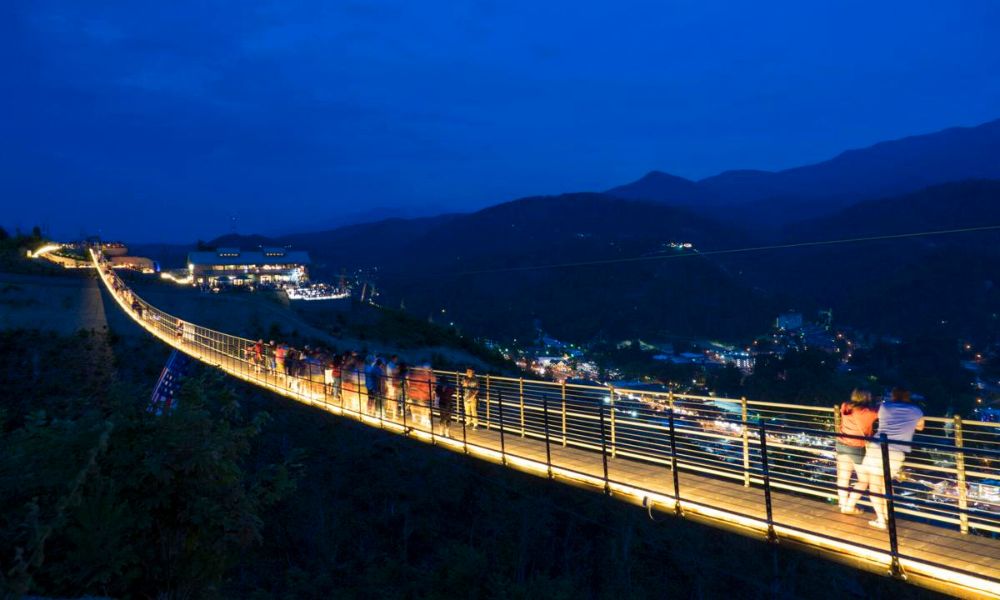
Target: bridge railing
[(952, 473), (947, 479)]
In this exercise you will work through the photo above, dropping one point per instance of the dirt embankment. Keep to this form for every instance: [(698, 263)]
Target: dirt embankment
[(74, 301)]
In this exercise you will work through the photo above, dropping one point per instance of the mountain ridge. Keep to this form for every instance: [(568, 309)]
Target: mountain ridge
[(886, 168)]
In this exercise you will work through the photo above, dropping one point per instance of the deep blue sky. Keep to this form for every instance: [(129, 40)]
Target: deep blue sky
[(163, 120)]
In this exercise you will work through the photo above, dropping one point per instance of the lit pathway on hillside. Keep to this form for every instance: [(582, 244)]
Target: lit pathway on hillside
[(949, 547)]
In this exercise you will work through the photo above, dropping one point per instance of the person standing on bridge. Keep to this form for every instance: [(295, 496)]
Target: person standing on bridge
[(899, 419), (272, 357), (280, 353), (351, 394), (446, 405), (258, 356), (857, 418), (311, 367), (292, 368), (470, 397), (420, 393), (376, 389), (369, 365), (402, 373), (392, 387), (338, 376), (329, 366)]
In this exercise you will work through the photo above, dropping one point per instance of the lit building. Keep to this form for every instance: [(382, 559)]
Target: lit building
[(789, 321), (136, 263), (113, 249), (232, 266)]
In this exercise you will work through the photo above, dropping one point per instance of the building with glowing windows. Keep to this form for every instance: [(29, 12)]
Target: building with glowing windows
[(232, 266)]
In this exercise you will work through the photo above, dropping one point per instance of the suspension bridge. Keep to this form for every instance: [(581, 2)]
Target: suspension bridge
[(757, 468)]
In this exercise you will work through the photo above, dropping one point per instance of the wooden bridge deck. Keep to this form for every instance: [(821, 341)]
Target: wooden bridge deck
[(935, 555), (965, 557)]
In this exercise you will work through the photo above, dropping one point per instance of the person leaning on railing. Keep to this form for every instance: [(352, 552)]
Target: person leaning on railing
[(898, 420), (857, 418)]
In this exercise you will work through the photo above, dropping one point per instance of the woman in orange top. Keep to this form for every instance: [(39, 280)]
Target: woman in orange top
[(857, 418), (420, 393)]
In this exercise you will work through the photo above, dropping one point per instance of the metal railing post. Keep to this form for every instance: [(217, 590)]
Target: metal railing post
[(340, 396), (765, 470), (545, 423), (673, 460), (461, 398), (488, 401), (890, 508), (604, 449), (521, 396), (359, 379), (503, 444), (746, 441), (611, 396), (430, 410), (403, 386), (963, 492), (564, 413), (380, 387)]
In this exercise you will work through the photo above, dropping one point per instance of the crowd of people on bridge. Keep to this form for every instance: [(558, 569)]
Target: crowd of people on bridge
[(374, 385), (860, 456), (385, 387)]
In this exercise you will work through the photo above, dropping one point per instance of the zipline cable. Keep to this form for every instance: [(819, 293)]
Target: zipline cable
[(636, 259)]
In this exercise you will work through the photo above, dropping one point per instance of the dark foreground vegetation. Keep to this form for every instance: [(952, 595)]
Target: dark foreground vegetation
[(99, 496), (12, 253)]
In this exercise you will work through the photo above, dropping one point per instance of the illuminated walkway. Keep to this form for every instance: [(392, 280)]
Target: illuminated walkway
[(624, 443)]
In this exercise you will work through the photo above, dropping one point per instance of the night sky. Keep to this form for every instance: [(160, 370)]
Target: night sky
[(164, 121)]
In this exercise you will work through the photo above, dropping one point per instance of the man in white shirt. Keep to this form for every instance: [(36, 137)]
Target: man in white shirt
[(898, 419)]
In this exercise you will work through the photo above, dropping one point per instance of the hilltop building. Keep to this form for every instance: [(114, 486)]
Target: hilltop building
[(232, 266), (113, 248), (136, 263), (790, 321)]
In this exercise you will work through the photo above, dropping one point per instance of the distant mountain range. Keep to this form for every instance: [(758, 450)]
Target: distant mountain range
[(885, 169), (370, 215), (904, 286), (479, 269), (487, 270)]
